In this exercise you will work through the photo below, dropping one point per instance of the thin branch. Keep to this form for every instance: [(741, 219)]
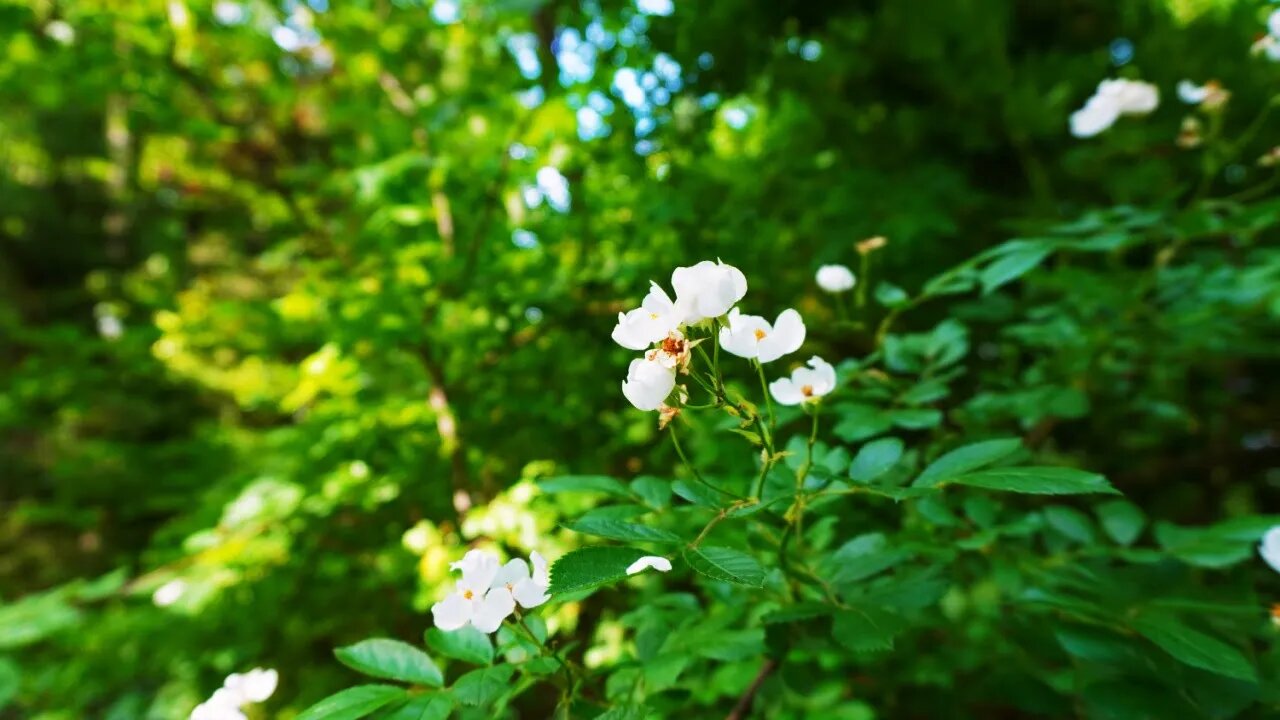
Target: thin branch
[(743, 708)]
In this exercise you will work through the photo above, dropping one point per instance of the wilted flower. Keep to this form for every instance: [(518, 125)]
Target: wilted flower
[(673, 352), (660, 564), (835, 278), (871, 244), (1112, 99), (666, 414), (805, 384), (1270, 548), (238, 690), (1211, 95), (648, 382), (649, 323), (751, 336), (1270, 158), (475, 600), (707, 290)]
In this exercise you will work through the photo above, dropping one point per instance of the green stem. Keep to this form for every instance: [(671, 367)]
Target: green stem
[(768, 402), (570, 672), (675, 440), (864, 279)]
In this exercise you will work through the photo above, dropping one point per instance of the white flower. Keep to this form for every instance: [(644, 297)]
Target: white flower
[(660, 564), (169, 593), (529, 591), (1112, 99), (751, 336), (1270, 548), (805, 383), (707, 290), (254, 686), (835, 278), (60, 32), (652, 321), (475, 600), (1273, 23), (1211, 94), (648, 382), (238, 690)]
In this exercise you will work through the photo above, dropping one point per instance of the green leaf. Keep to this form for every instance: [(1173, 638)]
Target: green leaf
[(915, 418), (699, 494), (875, 459), (890, 295), (483, 686), (1012, 266), (353, 703), (1193, 647), (862, 557), (725, 564), (656, 493), (584, 483), (466, 643), (588, 567), (435, 706), (10, 681), (1038, 481), (1122, 520), (624, 712), (967, 459), (391, 660), (624, 531), (866, 629), (34, 618), (1070, 522)]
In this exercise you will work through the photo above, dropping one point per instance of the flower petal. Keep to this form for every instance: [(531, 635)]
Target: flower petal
[(785, 392), (508, 575), (540, 574), (493, 609), (787, 336), (453, 612), (660, 564), (1270, 548), (478, 569), (529, 593)]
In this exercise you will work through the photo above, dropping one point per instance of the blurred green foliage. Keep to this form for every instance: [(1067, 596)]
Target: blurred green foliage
[(298, 300)]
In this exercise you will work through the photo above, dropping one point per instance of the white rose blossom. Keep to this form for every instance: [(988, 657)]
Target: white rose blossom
[(660, 564), (707, 290), (475, 600), (1270, 548), (835, 278), (752, 337), (805, 384), (1112, 99), (652, 321), (649, 381), (237, 691)]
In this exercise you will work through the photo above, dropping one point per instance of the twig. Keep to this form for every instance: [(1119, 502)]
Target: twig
[(743, 707)]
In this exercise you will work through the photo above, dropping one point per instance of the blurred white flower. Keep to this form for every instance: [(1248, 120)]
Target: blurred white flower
[(227, 12), (528, 590), (237, 690), (835, 278), (660, 564), (1270, 548), (169, 593), (648, 382), (652, 321), (751, 336), (707, 290), (475, 600), (1273, 23), (805, 384), (1269, 44), (1112, 99), (1210, 95), (60, 31), (110, 327)]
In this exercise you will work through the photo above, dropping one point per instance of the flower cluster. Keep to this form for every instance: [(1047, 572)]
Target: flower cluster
[(1113, 99), (238, 690), (1210, 96), (1269, 44), (705, 293), (488, 591)]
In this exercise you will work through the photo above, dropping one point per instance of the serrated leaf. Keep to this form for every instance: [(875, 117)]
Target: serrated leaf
[(1122, 520), (862, 557), (584, 483), (1012, 265), (797, 612), (1037, 481), (353, 703), (391, 660), (624, 531), (483, 686), (875, 459), (967, 459), (435, 706), (699, 494), (466, 643), (589, 567), (866, 629), (1193, 647), (725, 564), (655, 492)]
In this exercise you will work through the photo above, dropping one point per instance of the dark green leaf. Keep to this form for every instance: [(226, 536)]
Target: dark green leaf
[(967, 459), (1122, 520), (1012, 265), (435, 706), (624, 531), (725, 564), (483, 686), (588, 567), (353, 703), (1193, 647), (1037, 481), (584, 483), (466, 643), (866, 629), (391, 660), (875, 459), (1070, 522)]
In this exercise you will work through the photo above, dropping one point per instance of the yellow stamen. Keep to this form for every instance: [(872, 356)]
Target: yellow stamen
[(468, 594), (760, 335), (807, 391)]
